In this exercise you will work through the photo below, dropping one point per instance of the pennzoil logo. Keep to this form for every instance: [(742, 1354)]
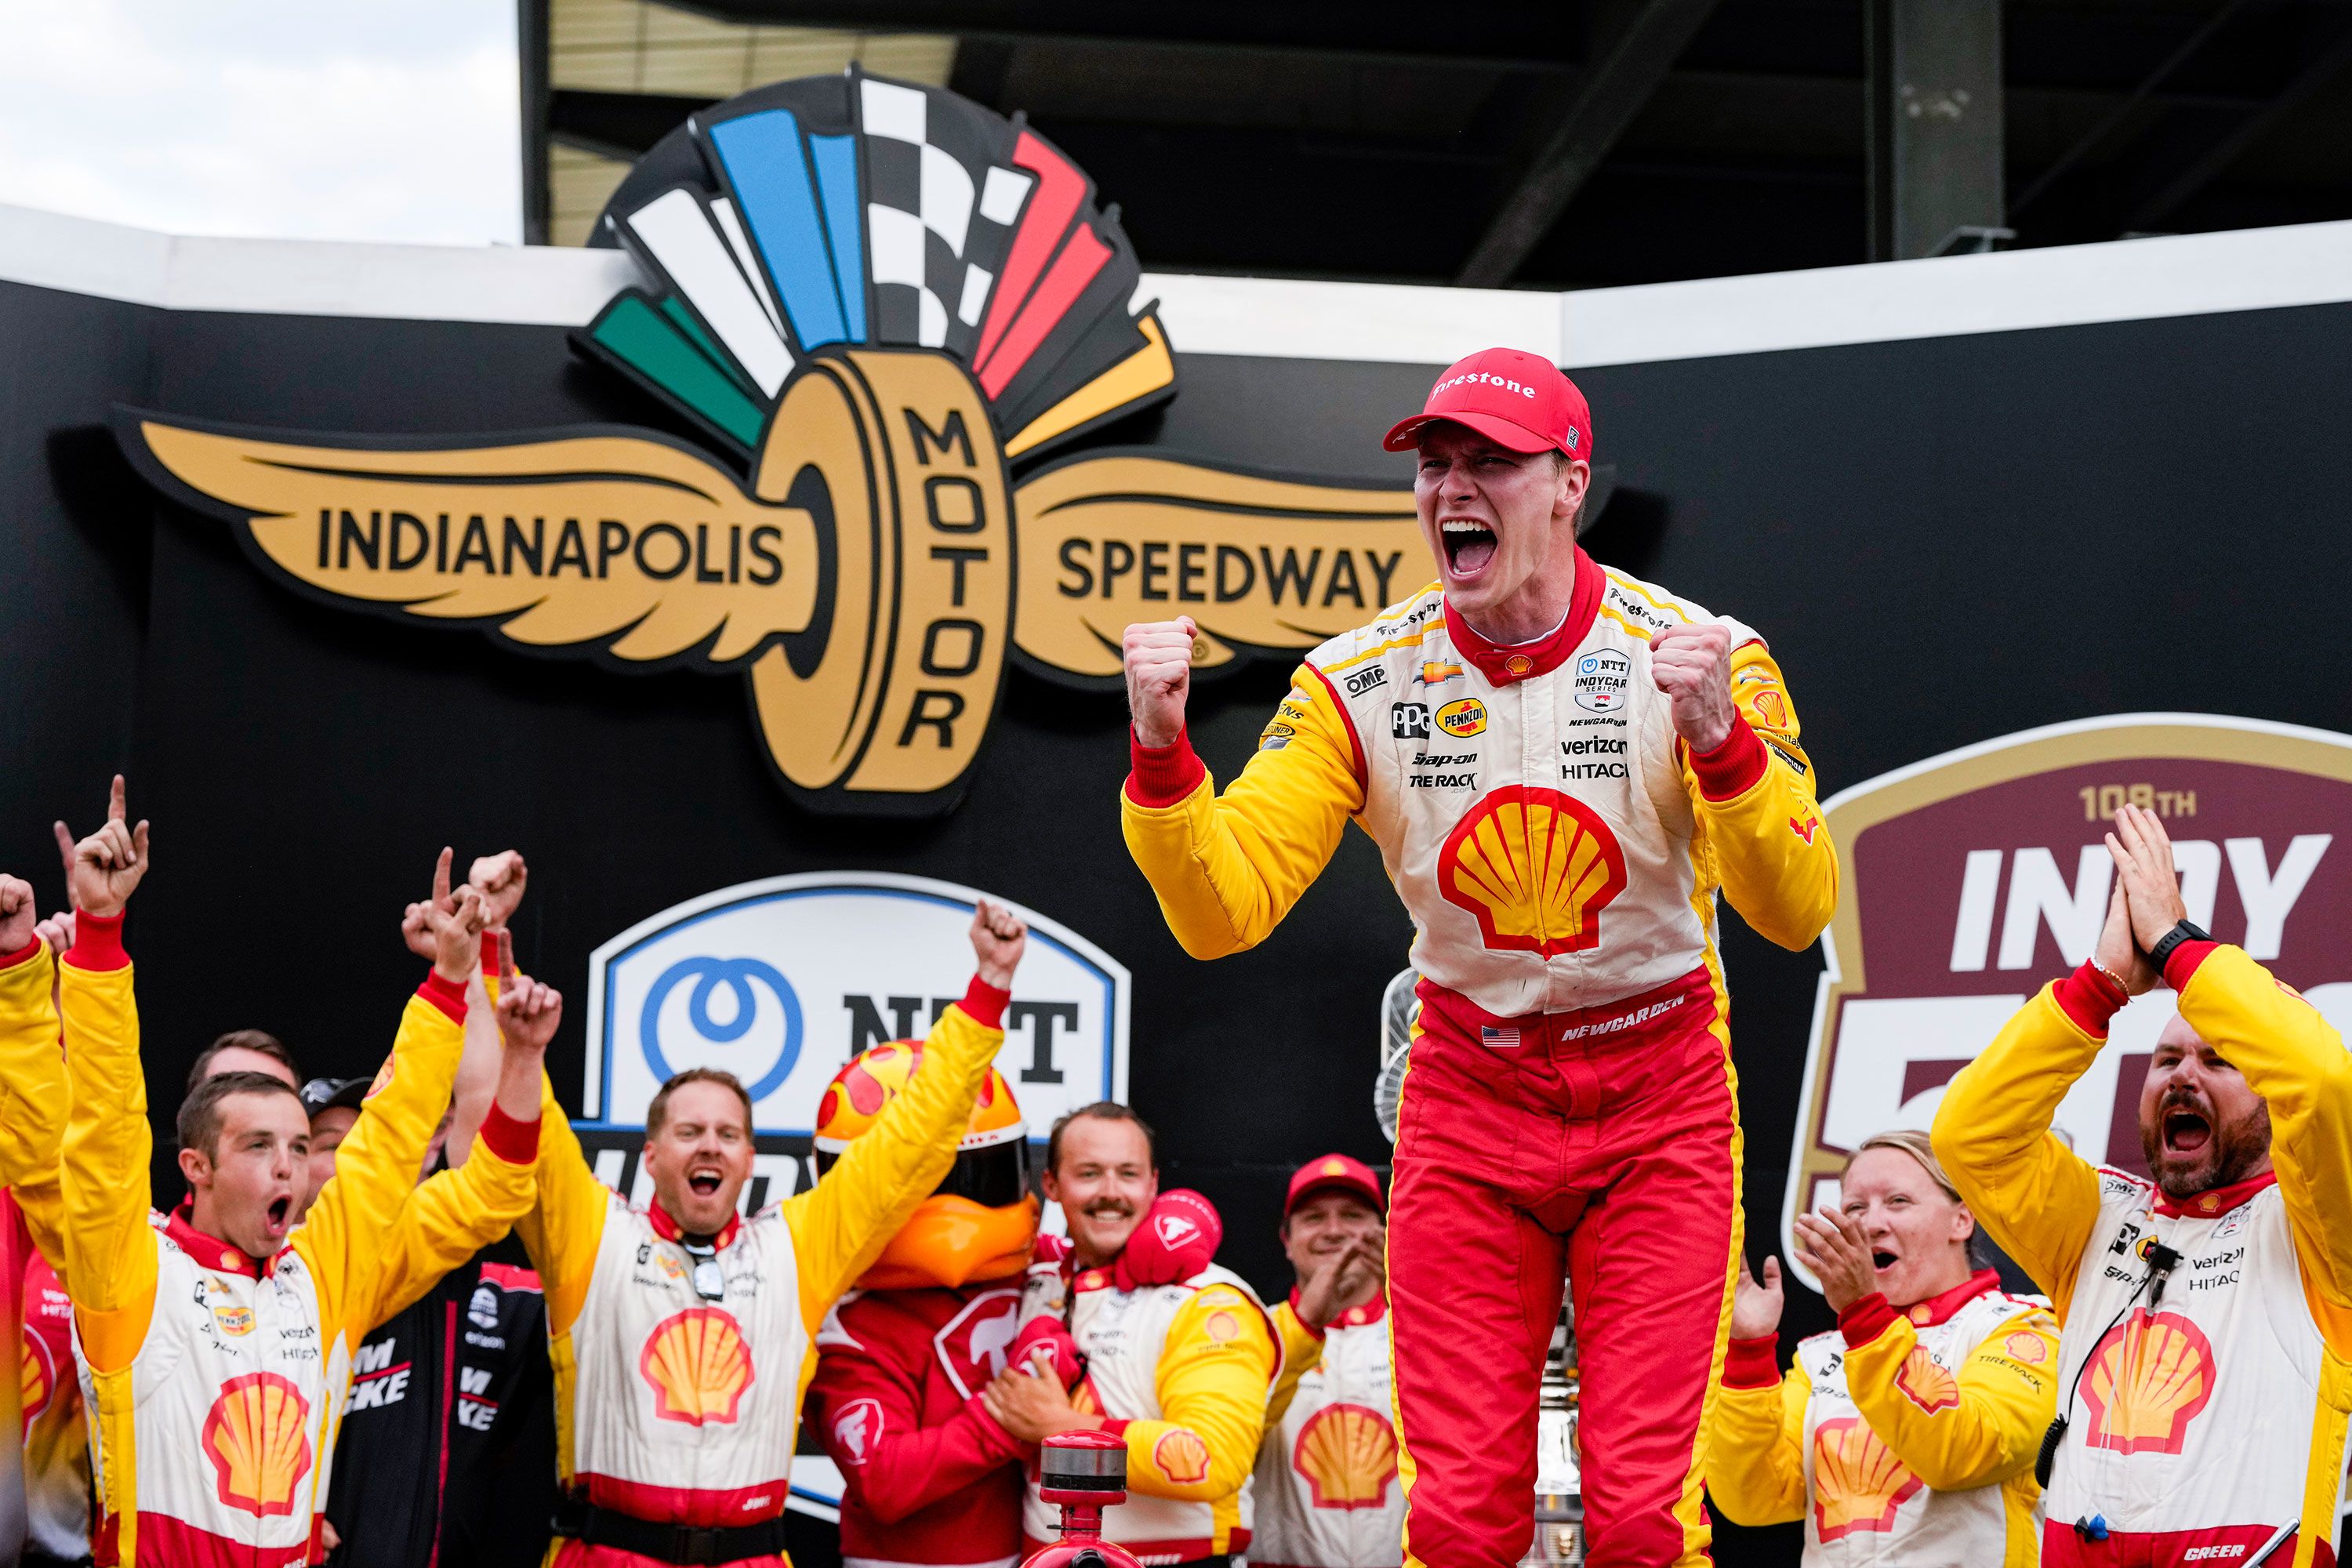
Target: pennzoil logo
[(1971, 879), (868, 300)]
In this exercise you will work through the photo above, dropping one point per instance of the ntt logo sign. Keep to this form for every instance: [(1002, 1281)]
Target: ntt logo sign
[(779, 982)]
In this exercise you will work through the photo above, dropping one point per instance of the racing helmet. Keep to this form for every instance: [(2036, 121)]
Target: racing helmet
[(980, 1221)]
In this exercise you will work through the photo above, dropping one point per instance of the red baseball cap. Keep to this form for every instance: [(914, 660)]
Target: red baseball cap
[(1508, 395), (1340, 1170)]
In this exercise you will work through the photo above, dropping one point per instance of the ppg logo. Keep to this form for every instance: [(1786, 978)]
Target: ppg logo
[(1409, 721), (679, 1027)]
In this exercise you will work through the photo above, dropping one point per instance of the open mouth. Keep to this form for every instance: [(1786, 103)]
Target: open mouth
[(703, 1183), (1881, 1260), (279, 1209), (1469, 545), (2186, 1133)]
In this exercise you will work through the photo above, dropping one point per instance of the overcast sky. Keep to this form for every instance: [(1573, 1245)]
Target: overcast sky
[(394, 120)]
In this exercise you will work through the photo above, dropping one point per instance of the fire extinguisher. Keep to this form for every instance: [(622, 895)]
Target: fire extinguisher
[(1085, 1472)]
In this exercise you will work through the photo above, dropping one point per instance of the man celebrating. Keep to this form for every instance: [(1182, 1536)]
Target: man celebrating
[(683, 1336), (215, 1346), (1176, 1361), (1327, 1492), (1561, 765), (2206, 1364)]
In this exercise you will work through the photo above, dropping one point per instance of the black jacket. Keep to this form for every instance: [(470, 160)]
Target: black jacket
[(447, 1453)]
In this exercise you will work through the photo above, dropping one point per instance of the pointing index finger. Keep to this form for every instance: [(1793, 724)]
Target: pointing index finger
[(116, 798)]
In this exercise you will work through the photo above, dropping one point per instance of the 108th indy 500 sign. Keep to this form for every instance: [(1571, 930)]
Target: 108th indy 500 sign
[(893, 318)]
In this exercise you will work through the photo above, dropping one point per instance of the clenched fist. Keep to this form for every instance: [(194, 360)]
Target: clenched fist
[(1160, 677), (1692, 665)]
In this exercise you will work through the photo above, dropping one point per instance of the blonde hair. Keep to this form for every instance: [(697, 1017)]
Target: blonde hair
[(1914, 1143)]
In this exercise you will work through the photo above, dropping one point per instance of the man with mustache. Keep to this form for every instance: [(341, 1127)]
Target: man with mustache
[(1176, 1361), (1562, 766), (2206, 1366)]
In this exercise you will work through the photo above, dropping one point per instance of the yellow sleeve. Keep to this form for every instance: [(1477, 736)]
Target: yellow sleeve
[(111, 1260), (2036, 1198), (1758, 814), (1977, 1426), (452, 1217), (2295, 1060), (840, 1225), (1214, 1370), (1301, 1351), (344, 1236), (32, 1072), (42, 1202), (1756, 1450), (565, 1226), (1226, 868)]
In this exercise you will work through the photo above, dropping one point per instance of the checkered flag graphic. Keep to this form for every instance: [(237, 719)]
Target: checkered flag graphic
[(942, 204)]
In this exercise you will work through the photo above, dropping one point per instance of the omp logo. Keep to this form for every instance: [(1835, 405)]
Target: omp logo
[(258, 1437), (1349, 1454), (1535, 867), (698, 1366), (2146, 1380), (868, 301), (1858, 1483), (1969, 880)]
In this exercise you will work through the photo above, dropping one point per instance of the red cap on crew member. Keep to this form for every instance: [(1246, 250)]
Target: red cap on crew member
[(1508, 395), (1340, 1172)]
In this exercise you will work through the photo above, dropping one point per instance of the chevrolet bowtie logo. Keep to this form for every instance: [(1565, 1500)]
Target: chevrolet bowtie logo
[(870, 352)]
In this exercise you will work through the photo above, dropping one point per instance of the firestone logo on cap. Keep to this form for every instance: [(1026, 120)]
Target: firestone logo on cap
[(1508, 395), (1485, 378)]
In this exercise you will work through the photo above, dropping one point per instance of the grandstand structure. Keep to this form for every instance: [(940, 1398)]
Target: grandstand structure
[(1493, 143)]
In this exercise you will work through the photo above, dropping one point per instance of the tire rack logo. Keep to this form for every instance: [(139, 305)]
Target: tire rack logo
[(870, 298), (1971, 879)]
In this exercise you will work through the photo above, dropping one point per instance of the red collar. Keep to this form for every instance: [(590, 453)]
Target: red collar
[(210, 1251), (2216, 1199), (1371, 1312), (669, 1229), (1938, 1308), (1503, 663)]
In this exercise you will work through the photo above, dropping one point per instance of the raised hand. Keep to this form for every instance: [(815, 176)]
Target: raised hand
[(416, 922), (57, 930), (998, 941), (1160, 677), (499, 879), (2151, 888), (108, 866), (1834, 1248), (1692, 665), (1343, 1276), (1756, 1307), (18, 922), (457, 936), (2118, 953), (528, 1013)]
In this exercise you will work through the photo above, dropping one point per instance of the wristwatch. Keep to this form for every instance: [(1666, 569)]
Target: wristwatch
[(2185, 932)]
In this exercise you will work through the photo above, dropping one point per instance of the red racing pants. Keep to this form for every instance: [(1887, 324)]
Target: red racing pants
[(1600, 1146)]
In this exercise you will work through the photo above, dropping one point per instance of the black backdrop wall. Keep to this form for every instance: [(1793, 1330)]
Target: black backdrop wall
[(1946, 540)]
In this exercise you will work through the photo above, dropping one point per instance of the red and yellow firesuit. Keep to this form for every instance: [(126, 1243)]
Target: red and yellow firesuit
[(1570, 1106), (677, 1408), (2204, 1423), (215, 1380), (1902, 1439), (57, 1446)]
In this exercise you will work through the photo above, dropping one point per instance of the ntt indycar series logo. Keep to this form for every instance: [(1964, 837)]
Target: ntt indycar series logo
[(780, 981), (891, 320)]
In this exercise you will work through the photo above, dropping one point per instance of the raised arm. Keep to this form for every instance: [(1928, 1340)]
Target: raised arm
[(841, 1225), (2288, 1053), (102, 1178), (1749, 780), (1756, 1449), (376, 1167), (1227, 868), (459, 1211), (32, 1071)]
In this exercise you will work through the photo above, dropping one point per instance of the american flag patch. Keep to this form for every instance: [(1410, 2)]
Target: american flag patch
[(1500, 1039)]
